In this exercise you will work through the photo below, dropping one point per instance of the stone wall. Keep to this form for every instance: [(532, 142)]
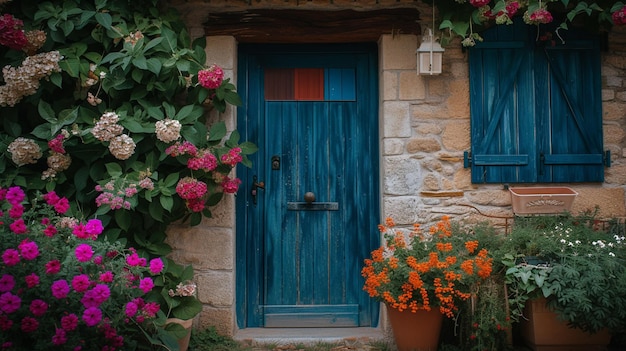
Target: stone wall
[(425, 122), (424, 129)]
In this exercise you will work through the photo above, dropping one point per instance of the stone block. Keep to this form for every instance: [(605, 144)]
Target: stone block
[(610, 201), (429, 128), (412, 86), (613, 134), (458, 102), (396, 121), (403, 209), (613, 111), (223, 319), (215, 288), (423, 145), (398, 52), (428, 110), (402, 175), (489, 197), (616, 174), (456, 136), (393, 147), (621, 96), (204, 247), (608, 94), (223, 214), (222, 51), (431, 182), (390, 85)]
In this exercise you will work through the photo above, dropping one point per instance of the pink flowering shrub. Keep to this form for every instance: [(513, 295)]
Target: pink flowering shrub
[(619, 16), (64, 286)]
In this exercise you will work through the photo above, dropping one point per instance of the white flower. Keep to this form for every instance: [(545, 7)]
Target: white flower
[(24, 151), (122, 147), (167, 130), (611, 254)]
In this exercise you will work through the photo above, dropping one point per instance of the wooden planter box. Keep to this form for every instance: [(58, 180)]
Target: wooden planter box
[(543, 331), (542, 200)]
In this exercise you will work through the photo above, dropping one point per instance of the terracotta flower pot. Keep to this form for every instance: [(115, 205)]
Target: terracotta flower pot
[(416, 331), (543, 331), (183, 343)]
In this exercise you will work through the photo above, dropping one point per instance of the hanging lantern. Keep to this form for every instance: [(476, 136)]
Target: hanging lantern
[(429, 55)]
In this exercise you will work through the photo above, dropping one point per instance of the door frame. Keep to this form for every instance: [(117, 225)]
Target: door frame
[(249, 249)]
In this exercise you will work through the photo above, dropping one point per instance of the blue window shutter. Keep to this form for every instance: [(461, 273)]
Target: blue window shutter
[(571, 142), (536, 113), (502, 125)]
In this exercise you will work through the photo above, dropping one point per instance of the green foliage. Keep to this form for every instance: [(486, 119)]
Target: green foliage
[(581, 269), (105, 124), (461, 18)]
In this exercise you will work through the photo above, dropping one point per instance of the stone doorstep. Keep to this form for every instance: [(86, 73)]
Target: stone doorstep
[(309, 336)]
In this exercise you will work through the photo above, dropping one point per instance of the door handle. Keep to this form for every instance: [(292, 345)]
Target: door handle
[(255, 186)]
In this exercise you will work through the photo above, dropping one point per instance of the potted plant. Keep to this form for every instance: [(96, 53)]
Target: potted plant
[(63, 283), (428, 275), (567, 268)]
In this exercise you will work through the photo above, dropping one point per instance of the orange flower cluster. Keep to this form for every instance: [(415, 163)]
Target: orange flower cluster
[(422, 271)]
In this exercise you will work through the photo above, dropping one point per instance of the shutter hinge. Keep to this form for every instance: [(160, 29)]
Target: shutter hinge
[(467, 159), (607, 158)]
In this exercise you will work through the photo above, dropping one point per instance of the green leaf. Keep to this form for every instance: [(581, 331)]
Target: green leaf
[(140, 62), (104, 19), (188, 309), (167, 202), (217, 131), (123, 219), (46, 112), (171, 179), (154, 65), (114, 170), (156, 211), (195, 219)]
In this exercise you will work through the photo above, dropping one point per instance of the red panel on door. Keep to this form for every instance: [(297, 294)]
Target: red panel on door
[(309, 84)]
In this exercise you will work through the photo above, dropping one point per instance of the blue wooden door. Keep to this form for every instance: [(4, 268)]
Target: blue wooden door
[(312, 201)]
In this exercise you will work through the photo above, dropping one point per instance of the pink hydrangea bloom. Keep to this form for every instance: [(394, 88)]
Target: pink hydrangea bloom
[(232, 157), (12, 33), (211, 78), (191, 188), (56, 144), (619, 16), (230, 186), (479, 3), (541, 16)]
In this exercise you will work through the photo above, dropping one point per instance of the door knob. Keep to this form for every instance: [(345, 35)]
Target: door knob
[(255, 186), (309, 197)]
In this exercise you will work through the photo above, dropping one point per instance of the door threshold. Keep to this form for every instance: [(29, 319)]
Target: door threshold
[(310, 336)]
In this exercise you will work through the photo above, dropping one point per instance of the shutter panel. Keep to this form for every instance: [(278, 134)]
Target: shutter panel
[(571, 139), (502, 123)]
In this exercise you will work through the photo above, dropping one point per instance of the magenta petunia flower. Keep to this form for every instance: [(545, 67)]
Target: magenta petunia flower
[(133, 260), (156, 265), (131, 309), (99, 293), (29, 324), (79, 231), (94, 228), (29, 250), (106, 277), (59, 337), (60, 289), (5, 323), (53, 267), (9, 303), (151, 309), (50, 231), (7, 282), (32, 280), (83, 252), (146, 284), (51, 198), (15, 195), (38, 307), (16, 211), (69, 322), (92, 316), (62, 205), (80, 283), (18, 227), (11, 257)]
